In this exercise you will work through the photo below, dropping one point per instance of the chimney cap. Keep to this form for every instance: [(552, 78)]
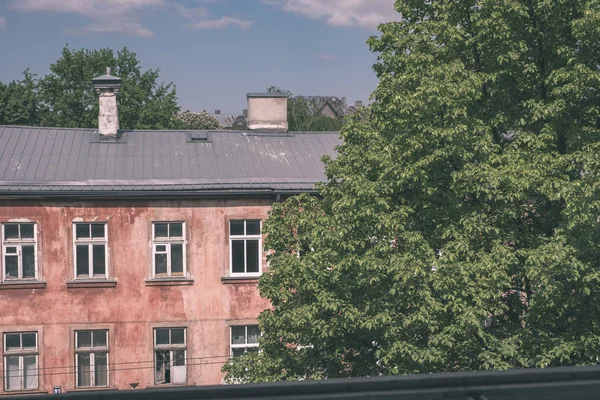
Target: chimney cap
[(107, 80), (266, 95)]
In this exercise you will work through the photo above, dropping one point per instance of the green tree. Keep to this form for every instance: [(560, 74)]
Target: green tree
[(193, 120), (19, 101), (69, 99), (459, 227), (303, 116)]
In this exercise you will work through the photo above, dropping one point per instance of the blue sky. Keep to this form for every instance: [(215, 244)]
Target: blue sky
[(215, 51)]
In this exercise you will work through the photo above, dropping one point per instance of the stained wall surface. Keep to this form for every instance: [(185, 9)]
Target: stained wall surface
[(130, 304)]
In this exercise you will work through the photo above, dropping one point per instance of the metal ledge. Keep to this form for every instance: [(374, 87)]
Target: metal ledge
[(99, 283), (169, 282), (12, 285)]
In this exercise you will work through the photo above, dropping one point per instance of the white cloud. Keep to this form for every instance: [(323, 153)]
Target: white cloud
[(220, 23), (121, 16), (326, 57), (125, 16), (2, 23), (363, 13), (197, 18)]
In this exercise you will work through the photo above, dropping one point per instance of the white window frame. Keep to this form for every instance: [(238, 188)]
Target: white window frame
[(92, 352), (245, 238), (21, 353), (18, 243), (244, 345), (167, 241), (172, 348), (90, 242)]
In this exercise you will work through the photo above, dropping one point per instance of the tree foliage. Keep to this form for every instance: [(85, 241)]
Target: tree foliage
[(303, 115), (66, 97), (192, 120), (19, 101), (459, 227)]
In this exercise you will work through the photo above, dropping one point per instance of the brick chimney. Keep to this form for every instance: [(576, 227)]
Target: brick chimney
[(107, 87), (267, 111)]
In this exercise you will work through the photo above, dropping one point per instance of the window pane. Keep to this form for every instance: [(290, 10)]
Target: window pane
[(176, 229), (252, 349), (13, 378), (11, 264), (238, 335), (252, 227), (179, 357), (236, 227), (13, 341), (238, 352), (177, 259), (26, 231), (97, 231), (237, 256), (162, 336), (30, 373), (160, 264), (84, 339), (83, 260), (161, 247), (11, 250), (160, 230), (252, 255), (11, 231), (178, 336), (253, 333), (161, 373), (29, 340), (28, 260), (82, 231), (101, 369), (99, 260), (83, 370), (100, 338)]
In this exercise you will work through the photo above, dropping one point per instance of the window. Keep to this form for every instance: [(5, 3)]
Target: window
[(243, 339), (169, 355), (168, 239), (91, 358), (245, 248), (20, 361), (90, 250), (19, 249)]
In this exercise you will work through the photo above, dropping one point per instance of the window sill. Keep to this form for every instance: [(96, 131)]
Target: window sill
[(22, 392), (169, 385), (237, 280), (169, 282), (93, 389), (22, 284), (91, 283)]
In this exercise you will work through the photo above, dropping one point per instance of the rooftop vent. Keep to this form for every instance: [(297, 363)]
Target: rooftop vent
[(199, 136)]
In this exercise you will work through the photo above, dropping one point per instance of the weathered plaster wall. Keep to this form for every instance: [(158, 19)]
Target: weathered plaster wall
[(132, 309)]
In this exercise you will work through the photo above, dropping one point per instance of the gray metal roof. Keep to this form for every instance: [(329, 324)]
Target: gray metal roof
[(67, 161)]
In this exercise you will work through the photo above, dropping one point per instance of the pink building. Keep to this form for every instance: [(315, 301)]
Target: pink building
[(130, 259)]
